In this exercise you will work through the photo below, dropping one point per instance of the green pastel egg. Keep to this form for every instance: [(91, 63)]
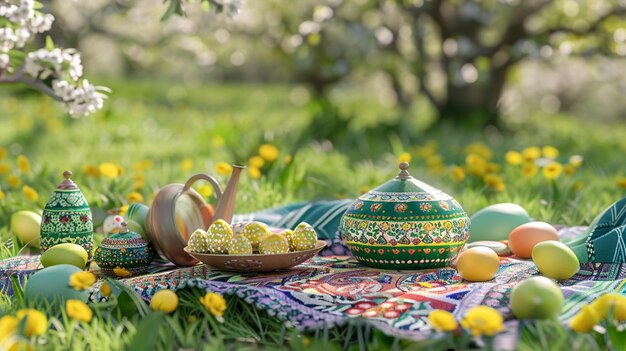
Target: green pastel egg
[(304, 237), (536, 298), (198, 242), (53, 284), (240, 245), (26, 227), (220, 234), (255, 232), (495, 222), (274, 244), (65, 253), (555, 260)]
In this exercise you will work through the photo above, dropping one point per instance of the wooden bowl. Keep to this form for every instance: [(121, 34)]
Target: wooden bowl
[(257, 262)]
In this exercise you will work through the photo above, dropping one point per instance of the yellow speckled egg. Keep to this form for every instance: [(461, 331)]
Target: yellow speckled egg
[(478, 264), (288, 233), (274, 244), (239, 245), (255, 232), (198, 242), (220, 234), (304, 237)]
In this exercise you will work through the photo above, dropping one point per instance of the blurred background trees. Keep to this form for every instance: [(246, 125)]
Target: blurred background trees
[(469, 62)]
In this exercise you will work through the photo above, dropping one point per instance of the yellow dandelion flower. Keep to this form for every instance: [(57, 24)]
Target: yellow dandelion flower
[(494, 181), (458, 173), (476, 165), (404, 157), (123, 210), (138, 167), (8, 327), (35, 322), (164, 300), (109, 170), (531, 153), (3, 153), (140, 182), (569, 169), (91, 171), (529, 170), (549, 151), (82, 280), (442, 321), (4, 168), (576, 161), (254, 172), (14, 181), (206, 190), (134, 197), (500, 187), (20, 345), (186, 164), (269, 152), (214, 303), (621, 182), (552, 170), (578, 185), (120, 170), (147, 164), (218, 141), (479, 149), (1, 195), (493, 167), (78, 310), (256, 161), (30, 193), (23, 163), (482, 320), (610, 303), (105, 290), (513, 157), (223, 168), (287, 159), (428, 149), (121, 272), (585, 319)]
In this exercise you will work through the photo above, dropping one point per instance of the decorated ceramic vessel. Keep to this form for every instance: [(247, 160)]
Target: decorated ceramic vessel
[(67, 218), (124, 250), (405, 224)]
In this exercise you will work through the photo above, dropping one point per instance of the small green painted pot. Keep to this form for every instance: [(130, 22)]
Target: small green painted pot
[(405, 224), (125, 250)]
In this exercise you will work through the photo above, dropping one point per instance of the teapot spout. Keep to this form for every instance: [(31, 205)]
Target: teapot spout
[(226, 202)]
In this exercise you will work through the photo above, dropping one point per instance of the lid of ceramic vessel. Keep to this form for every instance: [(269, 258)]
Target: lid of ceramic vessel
[(67, 196), (405, 183), (125, 235)]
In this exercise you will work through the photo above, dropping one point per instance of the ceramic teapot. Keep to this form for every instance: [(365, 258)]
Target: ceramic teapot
[(178, 210), (405, 224)]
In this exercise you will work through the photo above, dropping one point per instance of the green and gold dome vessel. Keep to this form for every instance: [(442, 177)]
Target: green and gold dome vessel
[(405, 224), (125, 250)]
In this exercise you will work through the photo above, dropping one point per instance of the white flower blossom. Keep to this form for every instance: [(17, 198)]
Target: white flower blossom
[(5, 63), (43, 63), (81, 99), (7, 39)]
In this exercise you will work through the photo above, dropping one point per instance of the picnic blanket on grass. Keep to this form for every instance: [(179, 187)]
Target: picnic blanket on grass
[(333, 288)]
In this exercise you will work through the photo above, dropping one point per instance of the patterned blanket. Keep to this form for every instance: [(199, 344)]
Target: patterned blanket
[(333, 288)]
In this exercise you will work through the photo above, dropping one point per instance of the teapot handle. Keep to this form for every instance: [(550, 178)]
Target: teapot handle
[(208, 178)]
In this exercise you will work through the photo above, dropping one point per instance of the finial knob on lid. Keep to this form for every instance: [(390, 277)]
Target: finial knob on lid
[(404, 173), (67, 184)]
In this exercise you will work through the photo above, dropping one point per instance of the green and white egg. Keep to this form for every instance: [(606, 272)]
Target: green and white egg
[(274, 244), (255, 232), (199, 242), (304, 237), (220, 235), (239, 245)]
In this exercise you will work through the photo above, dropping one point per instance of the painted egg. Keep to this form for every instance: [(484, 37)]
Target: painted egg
[(555, 260), (66, 253), (536, 298), (304, 237), (255, 232), (288, 233), (53, 284), (198, 242), (495, 222), (26, 226), (220, 234), (113, 224), (500, 248), (478, 264), (240, 245), (523, 238), (274, 244)]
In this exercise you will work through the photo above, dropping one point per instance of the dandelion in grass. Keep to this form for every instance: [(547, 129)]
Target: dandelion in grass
[(287, 159), (404, 157), (223, 168), (30, 193), (3, 153), (530, 154), (82, 280), (483, 320), (513, 158), (105, 290), (214, 303), (23, 163), (121, 272), (14, 181), (256, 161), (35, 322), (8, 327), (164, 300), (569, 169), (4, 168), (442, 321), (479, 149), (140, 181), (269, 152), (621, 182), (458, 173), (578, 185), (611, 305), (186, 164), (529, 170), (493, 167), (91, 171), (123, 210), (552, 170), (134, 197), (549, 151), (78, 310), (495, 182), (1, 195), (147, 164), (254, 172), (476, 165), (205, 190), (109, 170), (20, 345), (585, 319)]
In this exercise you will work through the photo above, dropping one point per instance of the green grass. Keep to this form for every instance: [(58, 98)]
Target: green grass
[(166, 123)]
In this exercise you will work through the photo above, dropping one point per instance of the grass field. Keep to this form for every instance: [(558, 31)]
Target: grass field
[(156, 133)]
